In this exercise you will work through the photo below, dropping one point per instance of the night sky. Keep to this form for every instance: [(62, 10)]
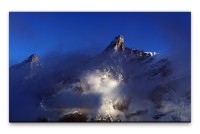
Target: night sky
[(91, 32)]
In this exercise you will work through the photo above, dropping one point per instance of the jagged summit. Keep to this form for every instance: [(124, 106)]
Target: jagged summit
[(119, 39), (32, 58), (117, 44)]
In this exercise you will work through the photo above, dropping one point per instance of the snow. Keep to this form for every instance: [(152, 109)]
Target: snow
[(152, 53)]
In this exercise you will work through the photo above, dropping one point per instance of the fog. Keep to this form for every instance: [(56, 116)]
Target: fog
[(68, 82), (51, 93)]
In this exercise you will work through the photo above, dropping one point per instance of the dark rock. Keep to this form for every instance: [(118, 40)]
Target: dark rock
[(74, 117), (43, 119), (121, 104), (32, 58)]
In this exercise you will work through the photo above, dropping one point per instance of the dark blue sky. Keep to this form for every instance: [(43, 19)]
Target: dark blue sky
[(91, 32)]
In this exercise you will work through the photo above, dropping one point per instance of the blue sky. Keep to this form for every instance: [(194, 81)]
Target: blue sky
[(91, 32)]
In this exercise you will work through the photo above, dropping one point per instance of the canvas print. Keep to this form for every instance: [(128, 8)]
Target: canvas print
[(100, 67)]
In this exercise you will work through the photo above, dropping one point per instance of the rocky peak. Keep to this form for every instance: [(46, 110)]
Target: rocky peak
[(119, 39), (117, 44), (32, 58)]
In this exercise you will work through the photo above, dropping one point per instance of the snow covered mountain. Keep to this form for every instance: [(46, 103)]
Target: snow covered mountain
[(119, 84)]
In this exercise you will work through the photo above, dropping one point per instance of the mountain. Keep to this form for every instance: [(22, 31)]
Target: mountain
[(28, 68), (119, 84), (117, 45)]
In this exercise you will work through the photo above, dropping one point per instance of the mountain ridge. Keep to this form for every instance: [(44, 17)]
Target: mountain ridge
[(120, 84)]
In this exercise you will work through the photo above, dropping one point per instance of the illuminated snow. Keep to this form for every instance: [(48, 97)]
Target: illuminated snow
[(100, 82)]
